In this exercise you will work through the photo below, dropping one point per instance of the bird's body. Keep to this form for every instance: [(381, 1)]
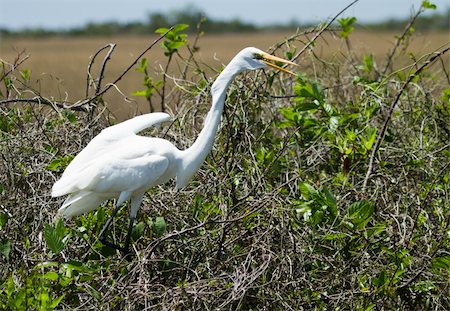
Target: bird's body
[(120, 164)]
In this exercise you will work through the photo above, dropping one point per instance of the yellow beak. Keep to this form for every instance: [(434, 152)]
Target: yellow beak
[(270, 60)]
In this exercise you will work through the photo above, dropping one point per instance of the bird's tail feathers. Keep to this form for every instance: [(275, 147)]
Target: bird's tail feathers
[(80, 203)]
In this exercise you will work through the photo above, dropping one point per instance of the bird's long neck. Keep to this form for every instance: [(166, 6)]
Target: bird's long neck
[(194, 156)]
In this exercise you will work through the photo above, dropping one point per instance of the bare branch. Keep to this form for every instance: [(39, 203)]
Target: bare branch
[(111, 47), (399, 40), (14, 66), (322, 30)]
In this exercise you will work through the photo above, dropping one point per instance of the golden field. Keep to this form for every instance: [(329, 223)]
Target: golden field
[(59, 64)]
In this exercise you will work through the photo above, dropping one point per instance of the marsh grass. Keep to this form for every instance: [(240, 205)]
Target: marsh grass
[(58, 65), (283, 214)]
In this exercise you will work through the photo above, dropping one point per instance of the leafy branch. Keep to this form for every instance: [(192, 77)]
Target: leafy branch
[(387, 120)]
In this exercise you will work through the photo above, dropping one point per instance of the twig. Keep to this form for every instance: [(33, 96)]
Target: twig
[(397, 43), (391, 110), (322, 30), (89, 76), (45, 101), (132, 64), (14, 66), (163, 91)]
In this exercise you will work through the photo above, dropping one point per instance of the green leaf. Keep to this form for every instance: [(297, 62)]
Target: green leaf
[(54, 237), (307, 190), (370, 307), (441, 262), (44, 298), (159, 226), (142, 66), (371, 135), (25, 74), (347, 26), (306, 106), (51, 275), (162, 30), (58, 164), (330, 200), (381, 279), (368, 63), (142, 93), (317, 217), (70, 116), (175, 45), (56, 302), (176, 29), (60, 228), (428, 5), (360, 213), (138, 231), (180, 27), (5, 248), (10, 287), (3, 220)]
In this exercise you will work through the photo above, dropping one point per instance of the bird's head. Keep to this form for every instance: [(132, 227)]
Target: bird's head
[(252, 58)]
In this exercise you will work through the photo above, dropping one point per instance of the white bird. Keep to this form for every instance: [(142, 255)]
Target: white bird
[(122, 165)]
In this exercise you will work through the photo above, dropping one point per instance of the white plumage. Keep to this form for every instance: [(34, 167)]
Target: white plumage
[(117, 163), (120, 164)]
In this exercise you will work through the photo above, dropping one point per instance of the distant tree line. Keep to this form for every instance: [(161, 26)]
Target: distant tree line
[(192, 16)]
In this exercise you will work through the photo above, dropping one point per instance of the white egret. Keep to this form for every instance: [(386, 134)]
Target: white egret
[(119, 164)]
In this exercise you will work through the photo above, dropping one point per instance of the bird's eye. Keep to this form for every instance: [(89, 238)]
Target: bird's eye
[(257, 56)]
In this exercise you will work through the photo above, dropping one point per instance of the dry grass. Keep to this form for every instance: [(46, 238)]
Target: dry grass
[(59, 65)]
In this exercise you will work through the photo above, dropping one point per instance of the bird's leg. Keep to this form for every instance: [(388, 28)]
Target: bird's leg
[(102, 235), (134, 202), (130, 230)]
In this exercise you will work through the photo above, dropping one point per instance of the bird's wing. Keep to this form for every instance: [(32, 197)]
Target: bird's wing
[(99, 145), (114, 175), (139, 123)]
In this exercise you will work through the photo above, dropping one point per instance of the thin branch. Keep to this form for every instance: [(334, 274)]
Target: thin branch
[(102, 70), (14, 66), (391, 110), (132, 64), (399, 40), (44, 101), (91, 63), (322, 30)]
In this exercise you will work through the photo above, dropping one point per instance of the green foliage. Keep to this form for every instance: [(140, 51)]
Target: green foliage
[(426, 4), (44, 286), (359, 214), (59, 163), (5, 248), (174, 39), (3, 220), (150, 86), (318, 206), (35, 294), (347, 26), (159, 226), (56, 236)]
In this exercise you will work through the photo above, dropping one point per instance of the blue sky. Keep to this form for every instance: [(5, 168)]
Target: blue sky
[(63, 14)]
